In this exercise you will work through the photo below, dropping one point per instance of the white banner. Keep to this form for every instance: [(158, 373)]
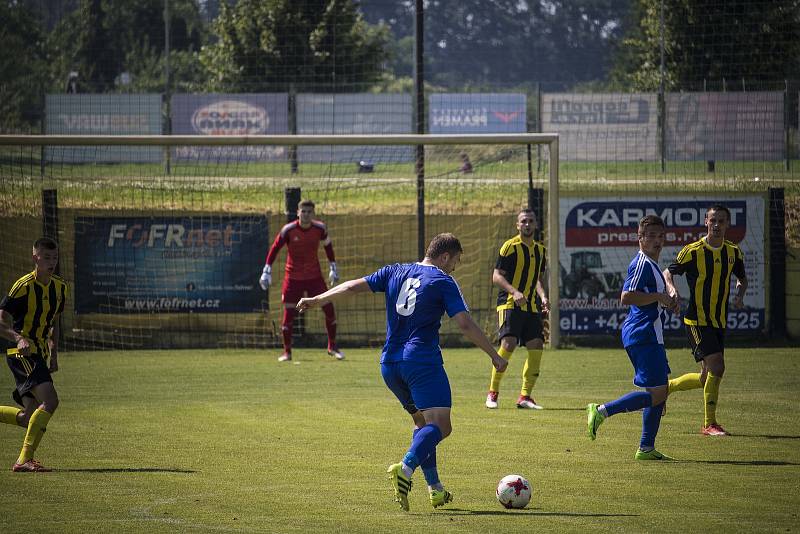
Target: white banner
[(603, 127), (725, 126)]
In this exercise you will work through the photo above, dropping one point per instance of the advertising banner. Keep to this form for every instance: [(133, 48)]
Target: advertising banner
[(599, 240), (107, 114), (208, 264), (230, 114), (725, 126), (354, 114), (603, 127), (475, 113)]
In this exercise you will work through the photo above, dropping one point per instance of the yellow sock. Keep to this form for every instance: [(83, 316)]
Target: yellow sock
[(36, 427), (497, 377), (531, 371), (684, 383), (710, 396), (8, 415)]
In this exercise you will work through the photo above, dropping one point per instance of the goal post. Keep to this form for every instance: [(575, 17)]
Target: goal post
[(366, 188)]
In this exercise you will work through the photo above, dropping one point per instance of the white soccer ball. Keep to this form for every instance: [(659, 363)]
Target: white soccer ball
[(514, 491)]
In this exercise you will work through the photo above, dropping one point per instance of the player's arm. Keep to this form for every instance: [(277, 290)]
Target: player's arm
[(7, 332), (53, 347), (472, 332), (499, 279), (540, 289), (641, 298), (741, 282), (677, 268), (266, 274), (672, 289), (359, 285), (327, 245)]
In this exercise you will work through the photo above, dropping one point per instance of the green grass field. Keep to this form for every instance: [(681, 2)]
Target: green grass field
[(209, 441)]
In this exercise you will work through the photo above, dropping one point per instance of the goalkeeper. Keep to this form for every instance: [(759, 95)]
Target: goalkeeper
[(303, 275)]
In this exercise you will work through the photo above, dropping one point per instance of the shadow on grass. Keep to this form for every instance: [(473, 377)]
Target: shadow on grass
[(739, 462), (126, 470), (765, 436), (461, 511)]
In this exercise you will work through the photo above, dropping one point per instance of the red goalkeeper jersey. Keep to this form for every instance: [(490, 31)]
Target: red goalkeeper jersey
[(302, 244)]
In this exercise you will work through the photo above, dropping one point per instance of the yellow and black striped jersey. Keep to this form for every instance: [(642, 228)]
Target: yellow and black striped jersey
[(35, 307), (708, 272), (522, 265)]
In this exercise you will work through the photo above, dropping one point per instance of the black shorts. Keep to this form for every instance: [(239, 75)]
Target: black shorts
[(520, 324), (705, 340), (29, 372)]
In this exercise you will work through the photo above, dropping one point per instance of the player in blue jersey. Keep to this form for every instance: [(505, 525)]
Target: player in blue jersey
[(417, 294), (645, 291)]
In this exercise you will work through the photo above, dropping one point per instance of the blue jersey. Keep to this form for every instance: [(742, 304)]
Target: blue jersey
[(416, 297), (644, 324)]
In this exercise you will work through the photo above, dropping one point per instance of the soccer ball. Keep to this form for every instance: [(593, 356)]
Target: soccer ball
[(514, 491)]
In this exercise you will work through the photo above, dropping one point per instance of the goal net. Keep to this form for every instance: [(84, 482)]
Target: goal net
[(163, 238)]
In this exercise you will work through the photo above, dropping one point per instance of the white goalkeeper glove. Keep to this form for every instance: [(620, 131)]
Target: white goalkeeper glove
[(266, 277), (333, 276)]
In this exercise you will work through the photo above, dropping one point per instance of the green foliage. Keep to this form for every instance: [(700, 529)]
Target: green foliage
[(505, 42), (232, 440), (752, 41), (104, 38), (22, 67), (314, 45)]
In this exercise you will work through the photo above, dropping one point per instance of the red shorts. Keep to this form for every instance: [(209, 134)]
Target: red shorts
[(293, 290)]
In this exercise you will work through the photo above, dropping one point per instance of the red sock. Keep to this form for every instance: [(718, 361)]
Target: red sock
[(287, 327), (330, 325)]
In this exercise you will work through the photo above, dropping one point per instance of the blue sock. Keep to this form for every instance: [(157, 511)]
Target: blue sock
[(651, 419), (423, 444), (630, 402), (428, 466)]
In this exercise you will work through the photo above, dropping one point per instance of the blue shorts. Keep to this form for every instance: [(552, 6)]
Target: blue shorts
[(650, 363), (418, 386)]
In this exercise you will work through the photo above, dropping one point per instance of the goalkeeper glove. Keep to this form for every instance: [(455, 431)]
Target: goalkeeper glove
[(333, 276), (266, 277)]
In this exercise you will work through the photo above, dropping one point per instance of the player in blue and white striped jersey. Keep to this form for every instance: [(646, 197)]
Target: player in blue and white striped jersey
[(645, 292)]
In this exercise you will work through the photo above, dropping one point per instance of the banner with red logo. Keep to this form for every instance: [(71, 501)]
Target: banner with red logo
[(477, 113), (230, 114), (599, 240)]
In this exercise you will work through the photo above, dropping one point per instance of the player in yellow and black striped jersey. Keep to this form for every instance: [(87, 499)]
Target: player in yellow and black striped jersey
[(517, 273), (708, 264), (29, 322)]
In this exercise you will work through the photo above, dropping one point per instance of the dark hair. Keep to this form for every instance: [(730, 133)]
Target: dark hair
[(527, 211), (719, 207), (650, 220), (443, 243), (306, 204), (46, 242)]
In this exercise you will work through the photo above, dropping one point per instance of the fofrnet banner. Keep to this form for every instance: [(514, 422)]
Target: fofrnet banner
[(207, 264)]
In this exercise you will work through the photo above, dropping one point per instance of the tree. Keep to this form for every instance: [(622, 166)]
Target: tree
[(22, 67), (315, 45), (755, 41), (505, 42), (104, 38)]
